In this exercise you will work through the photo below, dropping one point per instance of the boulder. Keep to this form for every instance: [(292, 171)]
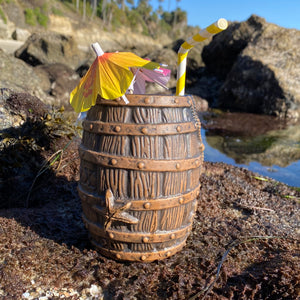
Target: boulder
[(59, 81), (51, 83), (265, 77), (49, 48), (21, 34), (17, 107), (221, 53), (9, 46), (260, 65), (18, 76)]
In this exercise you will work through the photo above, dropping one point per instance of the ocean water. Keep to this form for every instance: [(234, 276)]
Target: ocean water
[(273, 153)]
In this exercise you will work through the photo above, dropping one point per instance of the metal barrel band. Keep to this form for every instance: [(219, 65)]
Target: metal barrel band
[(142, 164), (148, 101), (136, 237), (146, 204), (139, 130), (140, 256)]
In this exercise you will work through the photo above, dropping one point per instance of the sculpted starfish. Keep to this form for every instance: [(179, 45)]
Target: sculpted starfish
[(113, 213)]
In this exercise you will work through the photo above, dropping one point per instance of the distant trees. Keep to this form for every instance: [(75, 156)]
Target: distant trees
[(94, 6), (174, 17), (84, 10), (144, 9), (138, 14), (175, 13)]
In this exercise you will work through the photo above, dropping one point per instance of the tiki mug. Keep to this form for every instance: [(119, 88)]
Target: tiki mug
[(139, 175)]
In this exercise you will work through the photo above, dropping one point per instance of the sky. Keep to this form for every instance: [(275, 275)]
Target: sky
[(285, 13)]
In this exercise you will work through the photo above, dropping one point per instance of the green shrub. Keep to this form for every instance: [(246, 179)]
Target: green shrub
[(135, 20), (119, 18), (41, 18), (57, 11), (34, 16), (30, 17), (2, 16), (165, 27), (133, 17)]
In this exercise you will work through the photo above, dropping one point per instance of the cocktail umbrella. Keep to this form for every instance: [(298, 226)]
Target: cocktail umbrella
[(160, 76), (109, 76)]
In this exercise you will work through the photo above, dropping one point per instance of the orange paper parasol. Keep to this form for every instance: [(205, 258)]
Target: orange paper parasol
[(109, 76)]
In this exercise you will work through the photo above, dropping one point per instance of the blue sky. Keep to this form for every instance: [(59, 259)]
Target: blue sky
[(285, 13)]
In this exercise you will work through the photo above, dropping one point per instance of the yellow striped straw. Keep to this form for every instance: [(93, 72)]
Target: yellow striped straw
[(204, 34)]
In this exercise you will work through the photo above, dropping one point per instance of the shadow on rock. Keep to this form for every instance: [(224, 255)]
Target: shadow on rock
[(38, 168)]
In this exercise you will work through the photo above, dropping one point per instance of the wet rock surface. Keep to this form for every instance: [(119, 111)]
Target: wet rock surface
[(247, 226)]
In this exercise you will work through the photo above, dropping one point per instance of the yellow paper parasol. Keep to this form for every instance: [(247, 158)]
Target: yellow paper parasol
[(109, 76)]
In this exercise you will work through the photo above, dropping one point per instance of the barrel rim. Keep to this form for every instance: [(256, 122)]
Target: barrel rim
[(149, 100)]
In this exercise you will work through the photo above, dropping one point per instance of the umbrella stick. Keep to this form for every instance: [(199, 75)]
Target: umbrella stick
[(98, 50)]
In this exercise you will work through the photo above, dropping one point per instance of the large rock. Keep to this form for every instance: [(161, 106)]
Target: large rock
[(265, 77), (49, 48), (18, 76), (10, 46), (17, 108), (260, 63), (220, 55), (21, 34), (50, 83), (58, 81)]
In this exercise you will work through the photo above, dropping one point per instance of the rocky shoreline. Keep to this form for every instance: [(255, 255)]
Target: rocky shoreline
[(253, 66), (252, 222), (245, 240)]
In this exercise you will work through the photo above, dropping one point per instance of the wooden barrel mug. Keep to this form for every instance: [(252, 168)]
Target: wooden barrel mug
[(139, 175)]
